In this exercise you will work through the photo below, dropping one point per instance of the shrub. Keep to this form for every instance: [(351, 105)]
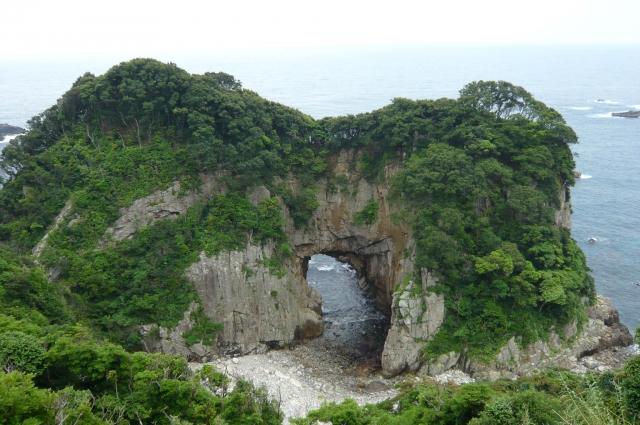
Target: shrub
[(22, 352), (368, 215)]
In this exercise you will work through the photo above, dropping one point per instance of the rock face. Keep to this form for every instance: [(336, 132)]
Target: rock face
[(416, 315), (261, 308), (162, 204), (563, 214), (564, 348), (256, 308)]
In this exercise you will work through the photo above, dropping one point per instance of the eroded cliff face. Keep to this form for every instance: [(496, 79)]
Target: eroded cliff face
[(417, 316), (261, 308)]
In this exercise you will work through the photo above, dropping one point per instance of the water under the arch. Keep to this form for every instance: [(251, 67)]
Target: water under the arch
[(351, 320)]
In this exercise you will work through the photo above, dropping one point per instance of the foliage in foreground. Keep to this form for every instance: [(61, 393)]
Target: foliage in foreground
[(81, 380), (548, 398)]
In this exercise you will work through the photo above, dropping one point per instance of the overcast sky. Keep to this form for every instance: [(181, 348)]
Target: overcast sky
[(145, 27)]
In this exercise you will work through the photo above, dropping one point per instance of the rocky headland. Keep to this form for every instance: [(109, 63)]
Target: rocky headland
[(628, 114), (186, 227)]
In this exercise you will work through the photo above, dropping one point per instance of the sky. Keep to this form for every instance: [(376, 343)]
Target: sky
[(146, 27)]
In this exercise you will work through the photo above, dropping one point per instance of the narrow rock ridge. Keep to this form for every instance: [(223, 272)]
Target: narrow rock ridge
[(168, 203)]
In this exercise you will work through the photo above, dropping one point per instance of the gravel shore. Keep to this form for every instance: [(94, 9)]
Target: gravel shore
[(305, 376)]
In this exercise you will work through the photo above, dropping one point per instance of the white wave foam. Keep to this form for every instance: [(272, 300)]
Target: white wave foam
[(607, 115), (579, 108), (610, 102), (585, 176), (325, 268), (9, 138)]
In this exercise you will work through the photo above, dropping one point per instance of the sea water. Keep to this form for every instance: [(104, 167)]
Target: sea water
[(351, 320), (586, 84)]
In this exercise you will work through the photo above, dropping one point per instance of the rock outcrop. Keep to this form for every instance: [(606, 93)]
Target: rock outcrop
[(628, 114), (9, 130), (261, 308), (169, 203), (416, 316), (563, 350), (563, 213)]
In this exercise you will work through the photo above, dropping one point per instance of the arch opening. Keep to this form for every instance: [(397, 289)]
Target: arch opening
[(352, 322)]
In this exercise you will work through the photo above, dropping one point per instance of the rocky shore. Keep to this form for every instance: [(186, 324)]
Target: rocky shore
[(314, 371), (602, 336), (327, 369), (9, 130), (303, 377)]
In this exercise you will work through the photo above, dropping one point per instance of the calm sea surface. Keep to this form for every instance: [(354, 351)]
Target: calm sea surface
[(323, 82)]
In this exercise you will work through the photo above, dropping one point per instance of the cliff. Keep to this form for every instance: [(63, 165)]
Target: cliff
[(260, 310), (181, 216)]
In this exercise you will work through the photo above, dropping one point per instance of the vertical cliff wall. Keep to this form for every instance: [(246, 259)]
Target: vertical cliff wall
[(260, 306)]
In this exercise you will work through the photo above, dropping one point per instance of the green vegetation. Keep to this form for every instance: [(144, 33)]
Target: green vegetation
[(368, 215), (481, 184), (545, 399), (92, 382), (480, 179), (301, 206), (203, 330)]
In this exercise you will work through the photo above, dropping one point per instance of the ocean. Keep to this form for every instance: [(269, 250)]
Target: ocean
[(584, 83)]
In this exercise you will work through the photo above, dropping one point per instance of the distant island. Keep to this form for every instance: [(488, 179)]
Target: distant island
[(628, 114), (8, 130)]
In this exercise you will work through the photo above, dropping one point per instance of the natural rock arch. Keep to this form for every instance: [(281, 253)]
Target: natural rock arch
[(259, 309)]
